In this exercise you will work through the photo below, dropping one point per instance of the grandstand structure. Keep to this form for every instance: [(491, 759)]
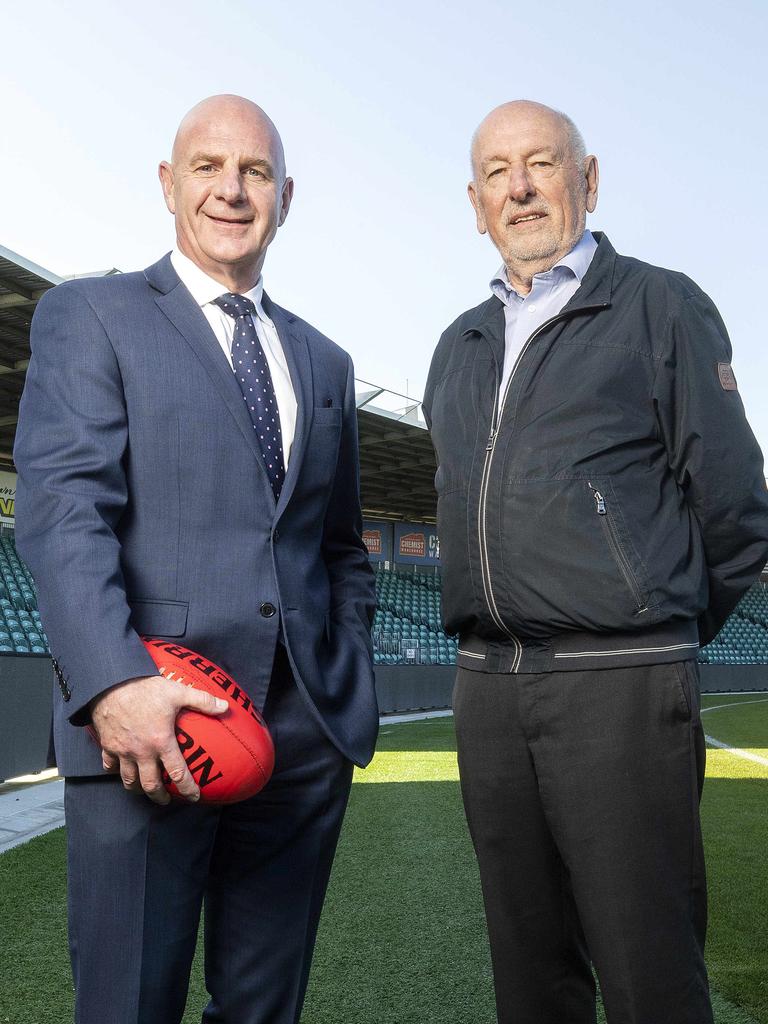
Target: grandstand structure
[(413, 655)]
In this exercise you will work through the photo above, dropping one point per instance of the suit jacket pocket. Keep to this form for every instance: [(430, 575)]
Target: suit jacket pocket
[(159, 618)]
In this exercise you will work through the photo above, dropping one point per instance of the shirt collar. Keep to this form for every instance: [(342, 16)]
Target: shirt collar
[(577, 262), (205, 289)]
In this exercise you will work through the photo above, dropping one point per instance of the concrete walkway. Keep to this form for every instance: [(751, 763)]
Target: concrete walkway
[(34, 804), (30, 806)]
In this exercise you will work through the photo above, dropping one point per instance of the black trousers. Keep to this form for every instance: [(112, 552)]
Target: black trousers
[(582, 792), (139, 873)]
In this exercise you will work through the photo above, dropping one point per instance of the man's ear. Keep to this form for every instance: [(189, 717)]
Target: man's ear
[(592, 175), (482, 227), (165, 173), (285, 202)]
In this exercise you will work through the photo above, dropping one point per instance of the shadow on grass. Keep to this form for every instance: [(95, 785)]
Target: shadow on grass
[(735, 823), (402, 939), (434, 734)]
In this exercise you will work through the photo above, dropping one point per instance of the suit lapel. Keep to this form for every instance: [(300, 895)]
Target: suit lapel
[(297, 355), (189, 320)]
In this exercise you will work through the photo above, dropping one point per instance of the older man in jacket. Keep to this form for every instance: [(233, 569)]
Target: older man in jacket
[(601, 510)]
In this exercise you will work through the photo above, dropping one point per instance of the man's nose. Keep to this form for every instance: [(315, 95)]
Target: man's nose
[(519, 185), (229, 185)]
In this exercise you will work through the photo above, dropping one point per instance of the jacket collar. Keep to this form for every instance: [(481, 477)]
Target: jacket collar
[(188, 318), (595, 290)]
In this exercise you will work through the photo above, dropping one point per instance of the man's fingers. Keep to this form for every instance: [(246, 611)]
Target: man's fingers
[(179, 774), (129, 773), (200, 700), (151, 779)]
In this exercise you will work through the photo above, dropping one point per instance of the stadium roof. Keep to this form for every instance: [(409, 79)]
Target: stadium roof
[(397, 462), (22, 283)]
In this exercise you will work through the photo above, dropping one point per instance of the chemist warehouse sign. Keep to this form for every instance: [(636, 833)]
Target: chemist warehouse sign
[(7, 498), (416, 544)]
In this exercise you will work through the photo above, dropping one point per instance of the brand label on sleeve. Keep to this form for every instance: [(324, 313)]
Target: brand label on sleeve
[(727, 379)]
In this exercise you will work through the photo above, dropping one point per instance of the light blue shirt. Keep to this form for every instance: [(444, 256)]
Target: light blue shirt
[(549, 292)]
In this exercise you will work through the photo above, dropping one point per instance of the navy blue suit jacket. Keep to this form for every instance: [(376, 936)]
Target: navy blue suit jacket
[(143, 506)]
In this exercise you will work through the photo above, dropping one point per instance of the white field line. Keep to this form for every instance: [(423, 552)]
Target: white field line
[(736, 751), (734, 704)]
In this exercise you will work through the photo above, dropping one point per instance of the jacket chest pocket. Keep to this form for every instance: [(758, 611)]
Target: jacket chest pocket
[(319, 464)]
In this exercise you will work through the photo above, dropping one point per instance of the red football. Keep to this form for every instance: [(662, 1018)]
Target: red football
[(230, 756)]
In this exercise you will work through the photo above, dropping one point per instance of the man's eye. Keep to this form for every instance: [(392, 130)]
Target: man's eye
[(206, 168), (255, 172)]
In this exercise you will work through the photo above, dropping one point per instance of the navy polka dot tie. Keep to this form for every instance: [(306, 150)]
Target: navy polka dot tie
[(252, 373)]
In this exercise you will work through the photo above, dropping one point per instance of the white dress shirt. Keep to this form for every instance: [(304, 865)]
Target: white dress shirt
[(204, 290)]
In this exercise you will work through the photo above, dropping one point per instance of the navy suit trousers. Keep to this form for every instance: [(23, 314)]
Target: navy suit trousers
[(140, 873)]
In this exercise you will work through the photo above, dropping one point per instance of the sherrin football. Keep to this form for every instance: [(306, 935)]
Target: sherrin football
[(230, 756)]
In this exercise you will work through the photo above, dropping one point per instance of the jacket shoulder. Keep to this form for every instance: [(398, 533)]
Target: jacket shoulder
[(670, 284), (96, 292), (470, 318), (453, 333)]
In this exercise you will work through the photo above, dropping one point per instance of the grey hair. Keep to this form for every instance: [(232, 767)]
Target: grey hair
[(575, 138)]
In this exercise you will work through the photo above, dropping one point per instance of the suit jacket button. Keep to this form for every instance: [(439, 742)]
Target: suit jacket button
[(267, 609)]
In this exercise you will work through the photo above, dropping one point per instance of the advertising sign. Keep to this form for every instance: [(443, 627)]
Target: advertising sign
[(7, 498), (416, 544), (377, 537)]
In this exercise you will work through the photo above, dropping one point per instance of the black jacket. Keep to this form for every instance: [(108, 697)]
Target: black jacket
[(610, 508)]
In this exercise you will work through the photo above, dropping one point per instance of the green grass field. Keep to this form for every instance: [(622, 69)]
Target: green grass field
[(402, 938)]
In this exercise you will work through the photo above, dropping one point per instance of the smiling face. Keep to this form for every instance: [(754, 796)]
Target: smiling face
[(227, 189), (531, 191)]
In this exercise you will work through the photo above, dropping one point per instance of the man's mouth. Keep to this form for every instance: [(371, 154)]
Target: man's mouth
[(227, 220), (525, 217)]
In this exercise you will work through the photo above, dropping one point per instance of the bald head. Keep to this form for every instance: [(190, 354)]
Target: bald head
[(524, 112), (224, 110), (227, 189)]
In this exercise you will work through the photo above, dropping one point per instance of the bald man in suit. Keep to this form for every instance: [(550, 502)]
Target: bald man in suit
[(153, 499)]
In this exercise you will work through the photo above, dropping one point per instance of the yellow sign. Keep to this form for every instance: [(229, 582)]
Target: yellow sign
[(7, 498)]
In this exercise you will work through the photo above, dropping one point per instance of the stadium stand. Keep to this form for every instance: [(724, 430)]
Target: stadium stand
[(743, 640), (21, 631), (406, 625)]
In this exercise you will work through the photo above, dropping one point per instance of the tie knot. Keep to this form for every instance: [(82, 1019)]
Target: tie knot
[(235, 305)]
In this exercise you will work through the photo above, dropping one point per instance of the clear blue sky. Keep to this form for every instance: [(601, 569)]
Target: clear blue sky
[(376, 103)]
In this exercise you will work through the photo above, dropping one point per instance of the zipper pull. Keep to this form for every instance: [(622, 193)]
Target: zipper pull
[(599, 501), (491, 440)]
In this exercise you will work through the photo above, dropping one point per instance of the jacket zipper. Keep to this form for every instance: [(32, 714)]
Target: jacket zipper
[(490, 449), (620, 558)]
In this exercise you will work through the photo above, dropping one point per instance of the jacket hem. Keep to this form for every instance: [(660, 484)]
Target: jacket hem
[(577, 651)]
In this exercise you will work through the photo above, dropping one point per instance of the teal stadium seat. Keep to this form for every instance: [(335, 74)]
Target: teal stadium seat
[(409, 611), (743, 640)]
